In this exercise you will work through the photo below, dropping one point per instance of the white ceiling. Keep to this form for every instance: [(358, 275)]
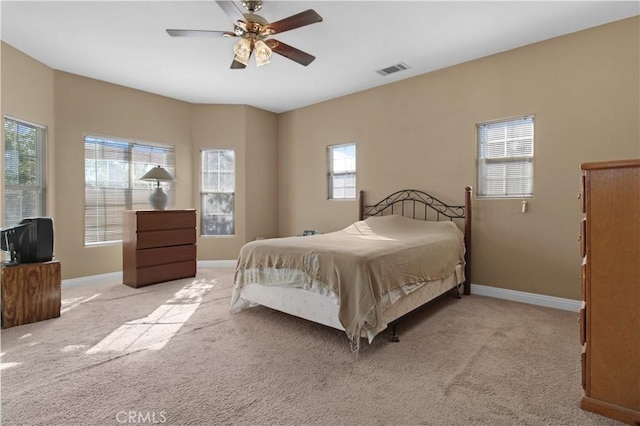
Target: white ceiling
[(125, 42)]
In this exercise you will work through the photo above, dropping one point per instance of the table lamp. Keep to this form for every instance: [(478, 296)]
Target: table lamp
[(158, 198)]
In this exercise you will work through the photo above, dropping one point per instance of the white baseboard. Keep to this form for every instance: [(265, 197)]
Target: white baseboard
[(117, 276), (530, 298), (93, 279), (480, 290), (217, 263)]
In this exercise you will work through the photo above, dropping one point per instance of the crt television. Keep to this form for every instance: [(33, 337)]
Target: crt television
[(29, 241)]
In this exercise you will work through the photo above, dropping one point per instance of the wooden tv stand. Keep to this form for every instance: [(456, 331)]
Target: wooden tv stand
[(30, 293), (158, 246)]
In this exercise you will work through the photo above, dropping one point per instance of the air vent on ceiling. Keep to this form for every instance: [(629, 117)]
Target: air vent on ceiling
[(394, 68)]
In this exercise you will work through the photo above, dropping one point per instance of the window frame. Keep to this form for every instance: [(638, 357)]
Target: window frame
[(331, 174), (134, 192), (39, 188), (522, 161), (204, 192)]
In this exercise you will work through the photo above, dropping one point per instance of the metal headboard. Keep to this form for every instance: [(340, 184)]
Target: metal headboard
[(404, 203)]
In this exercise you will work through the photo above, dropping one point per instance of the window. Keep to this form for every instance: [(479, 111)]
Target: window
[(217, 193), (25, 187), (342, 171), (111, 171), (505, 158)]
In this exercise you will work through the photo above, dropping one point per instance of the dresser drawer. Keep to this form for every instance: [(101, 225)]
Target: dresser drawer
[(583, 280), (583, 361), (172, 237), (582, 195), (166, 272), (582, 320), (162, 255), (167, 219), (583, 237)]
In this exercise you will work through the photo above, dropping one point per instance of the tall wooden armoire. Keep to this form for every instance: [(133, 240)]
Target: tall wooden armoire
[(610, 317)]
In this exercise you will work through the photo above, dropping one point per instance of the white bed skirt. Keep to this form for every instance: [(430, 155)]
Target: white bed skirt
[(323, 308)]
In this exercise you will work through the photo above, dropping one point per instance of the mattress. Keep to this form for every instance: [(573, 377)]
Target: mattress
[(364, 267), (322, 307)]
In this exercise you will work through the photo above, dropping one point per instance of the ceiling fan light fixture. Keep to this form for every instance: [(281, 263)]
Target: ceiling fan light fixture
[(263, 53), (253, 31), (240, 28), (242, 49), (252, 6)]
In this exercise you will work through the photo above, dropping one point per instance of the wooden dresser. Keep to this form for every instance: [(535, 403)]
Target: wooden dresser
[(157, 246), (610, 315)]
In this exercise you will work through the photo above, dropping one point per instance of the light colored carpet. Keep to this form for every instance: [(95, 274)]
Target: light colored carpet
[(459, 362)]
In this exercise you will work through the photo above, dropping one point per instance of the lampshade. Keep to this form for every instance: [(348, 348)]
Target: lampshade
[(242, 49), (263, 53), (158, 198), (158, 174)]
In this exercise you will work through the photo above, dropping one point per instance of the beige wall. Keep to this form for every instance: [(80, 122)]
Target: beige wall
[(252, 134), (87, 106), (261, 175), (221, 127), (584, 91), (27, 94), (72, 106)]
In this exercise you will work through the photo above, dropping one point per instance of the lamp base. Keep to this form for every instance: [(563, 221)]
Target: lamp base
[(158, 199)]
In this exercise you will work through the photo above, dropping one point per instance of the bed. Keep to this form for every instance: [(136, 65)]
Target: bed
[(404, 251)]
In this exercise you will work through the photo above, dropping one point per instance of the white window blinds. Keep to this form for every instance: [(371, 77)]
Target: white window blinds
[(112, 170), (217, 193), (342, 171), (505, 158), (25, 190)]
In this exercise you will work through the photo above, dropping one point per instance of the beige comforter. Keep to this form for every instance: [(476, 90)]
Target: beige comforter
[(362, 262)]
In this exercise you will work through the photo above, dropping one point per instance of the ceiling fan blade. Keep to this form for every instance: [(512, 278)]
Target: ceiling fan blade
[(290, 52), (200, 33), (235, 65), (231, 9), (302, 19)]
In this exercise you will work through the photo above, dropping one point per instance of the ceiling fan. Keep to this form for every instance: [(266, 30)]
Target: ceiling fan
[(254, 32)]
